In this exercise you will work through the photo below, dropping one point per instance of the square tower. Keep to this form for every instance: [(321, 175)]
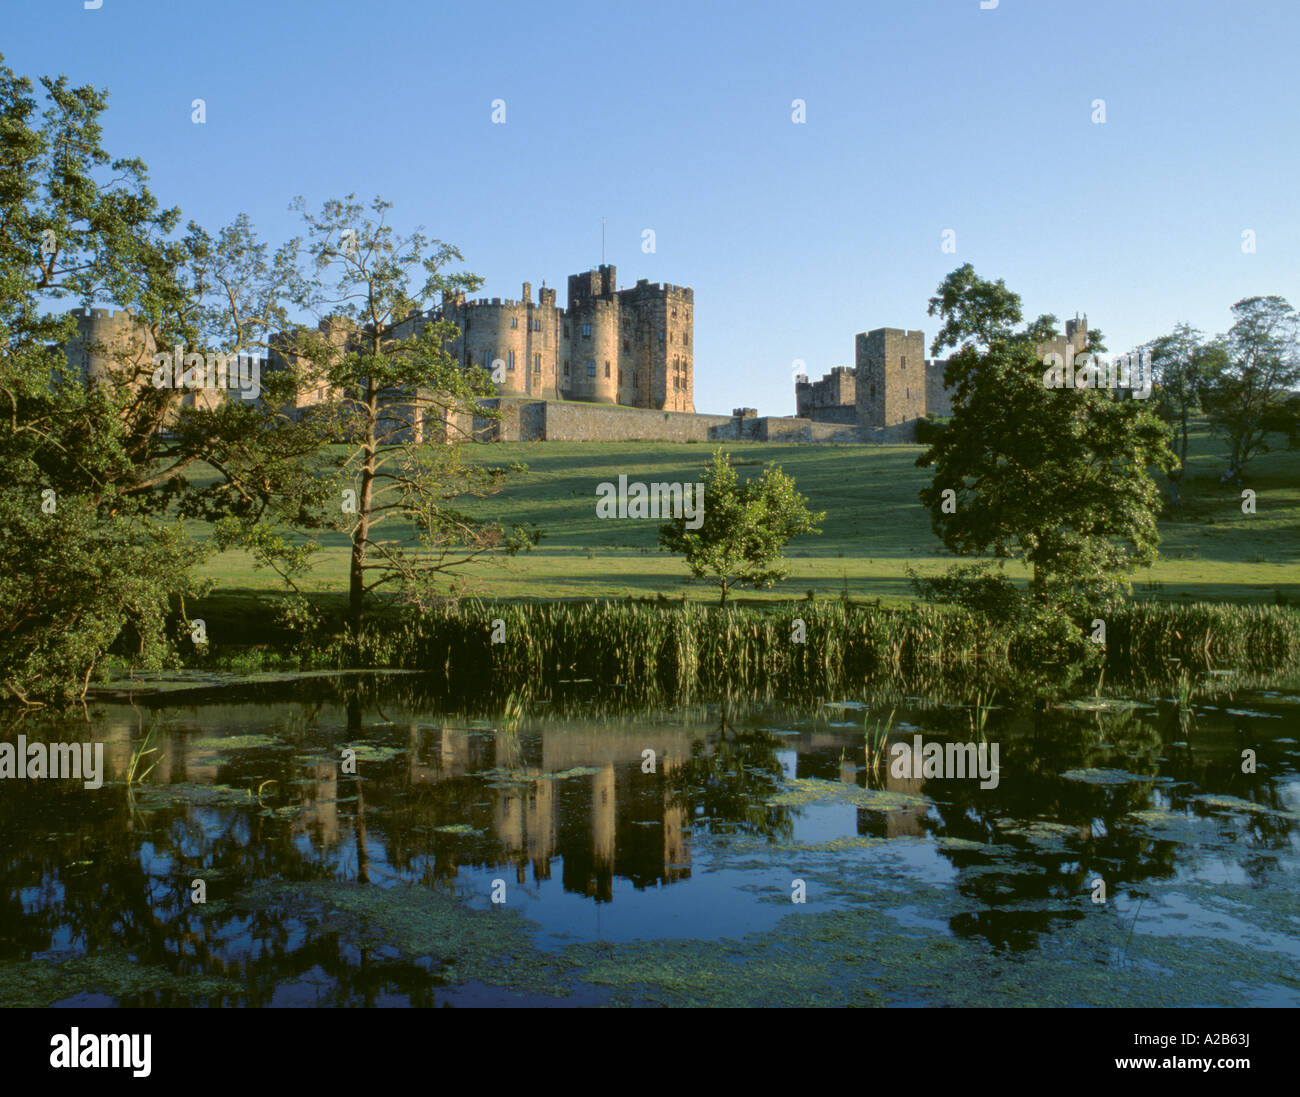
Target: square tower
[(891, 377)]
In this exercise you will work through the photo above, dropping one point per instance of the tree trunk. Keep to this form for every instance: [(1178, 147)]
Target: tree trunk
[(361, 533)]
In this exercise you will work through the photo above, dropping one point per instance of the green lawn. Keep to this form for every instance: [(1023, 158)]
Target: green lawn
[(874, 529)]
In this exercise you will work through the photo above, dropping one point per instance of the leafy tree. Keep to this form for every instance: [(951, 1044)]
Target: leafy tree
[(393, 388), (1057, 478), (97, 469), (974, 311), (745, 526), (86, 557), (1044, 329), (1183, 364), (1284, 418), (1262, 349)]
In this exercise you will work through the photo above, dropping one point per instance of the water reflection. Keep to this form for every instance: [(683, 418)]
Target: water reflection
[(624, 812)]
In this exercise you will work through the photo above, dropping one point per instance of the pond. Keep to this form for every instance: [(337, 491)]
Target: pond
[(368, 846)]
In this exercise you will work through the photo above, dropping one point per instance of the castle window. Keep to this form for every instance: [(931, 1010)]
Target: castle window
[(510, 360), (591, 369), (586, 330), (537, 363), (537, 323), (566, 367), (661, 337), (566, 331), (902, 362), (674, 314), (627, 344), (606, 369), (514, 321), (467, 323)]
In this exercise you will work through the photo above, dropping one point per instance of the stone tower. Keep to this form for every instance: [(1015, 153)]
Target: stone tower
[(110, 343), (656, 347), (891, 377), (522, 336), (591, 329), (1074, 342)]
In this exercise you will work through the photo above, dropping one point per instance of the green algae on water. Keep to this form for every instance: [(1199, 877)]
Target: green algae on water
[(1110, 777), (809, 790), (235, 742)]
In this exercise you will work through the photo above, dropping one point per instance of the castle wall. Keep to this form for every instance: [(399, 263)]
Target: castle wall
[(545, 420), (833, 399), (938, 400), (576, 423)]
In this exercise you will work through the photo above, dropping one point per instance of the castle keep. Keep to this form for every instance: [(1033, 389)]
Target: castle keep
[(609, 346)]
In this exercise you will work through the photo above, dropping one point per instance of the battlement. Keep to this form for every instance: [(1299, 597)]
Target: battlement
[(600, 282), (645, 288), (897, 332), (119, 315)]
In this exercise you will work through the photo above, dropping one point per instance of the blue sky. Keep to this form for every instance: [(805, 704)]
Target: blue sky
[(922, 116)]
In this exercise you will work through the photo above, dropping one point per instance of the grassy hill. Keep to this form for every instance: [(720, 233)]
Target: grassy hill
[(874, 529)]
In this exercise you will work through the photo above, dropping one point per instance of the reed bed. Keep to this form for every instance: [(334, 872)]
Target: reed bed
[(687, 651)]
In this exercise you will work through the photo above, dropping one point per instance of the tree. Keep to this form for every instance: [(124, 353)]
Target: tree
[(393, 388), (1182, 364), (98, 468), (974, 310), (745, 527), (1044, 329), (87, 559), (1262, 350), (1055, 477)]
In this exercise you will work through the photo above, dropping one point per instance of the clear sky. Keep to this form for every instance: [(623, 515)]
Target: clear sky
[(922, 116)]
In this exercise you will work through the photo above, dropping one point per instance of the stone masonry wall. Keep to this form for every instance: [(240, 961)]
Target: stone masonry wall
[(891, 386)]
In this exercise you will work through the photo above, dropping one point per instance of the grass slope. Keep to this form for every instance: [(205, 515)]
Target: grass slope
[(874, 529)]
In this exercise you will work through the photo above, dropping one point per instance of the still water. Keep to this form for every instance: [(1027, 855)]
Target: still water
[(348, 849)]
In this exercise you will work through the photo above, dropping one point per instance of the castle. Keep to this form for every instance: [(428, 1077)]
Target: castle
[(609, 346), (112, 346), (614, 365), (893, 384)]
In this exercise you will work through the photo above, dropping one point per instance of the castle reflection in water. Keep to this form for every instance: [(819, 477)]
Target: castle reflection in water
[(571, 797)]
